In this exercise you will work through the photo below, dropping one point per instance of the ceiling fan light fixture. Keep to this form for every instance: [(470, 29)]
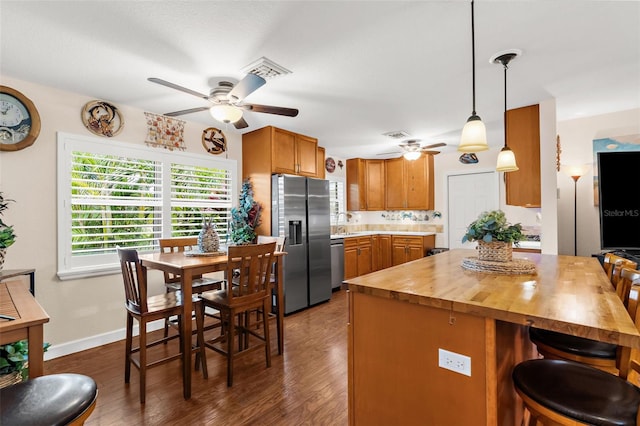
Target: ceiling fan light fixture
[(412, 155), (506, 161), (474, 133), (226, 113)]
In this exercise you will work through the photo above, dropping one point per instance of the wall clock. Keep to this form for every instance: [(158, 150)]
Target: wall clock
[(214, 141), (19, 120), (102, 118)]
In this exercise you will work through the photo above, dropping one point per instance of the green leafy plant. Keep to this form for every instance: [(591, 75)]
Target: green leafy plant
[(7, 236), (246, 217), (493, 226), (14, 356)]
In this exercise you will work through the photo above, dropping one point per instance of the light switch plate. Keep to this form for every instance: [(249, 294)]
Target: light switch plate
[(455, 362)]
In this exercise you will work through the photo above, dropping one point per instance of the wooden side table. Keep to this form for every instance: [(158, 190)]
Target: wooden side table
[(5, 274)]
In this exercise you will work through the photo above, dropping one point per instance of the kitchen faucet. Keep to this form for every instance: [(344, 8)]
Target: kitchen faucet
[(341, 228)]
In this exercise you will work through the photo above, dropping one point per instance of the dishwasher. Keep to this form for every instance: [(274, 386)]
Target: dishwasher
[(337, 262)]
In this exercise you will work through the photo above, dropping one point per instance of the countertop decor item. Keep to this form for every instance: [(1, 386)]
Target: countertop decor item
[(495, 236), (102, 118), (7, 236), (246, 217), (19, 121), (214, 140)]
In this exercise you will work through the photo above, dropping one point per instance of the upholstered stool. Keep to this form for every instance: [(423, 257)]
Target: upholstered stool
[(56, 399), (567, 391)]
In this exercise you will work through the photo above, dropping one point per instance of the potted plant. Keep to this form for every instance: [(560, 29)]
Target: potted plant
[(7, 236), (246, 217), (13, 362), (495, 236)]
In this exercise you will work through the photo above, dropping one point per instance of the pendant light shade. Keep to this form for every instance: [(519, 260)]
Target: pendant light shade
[(506, 161), (474, 133), (226, 113), (506, 158)]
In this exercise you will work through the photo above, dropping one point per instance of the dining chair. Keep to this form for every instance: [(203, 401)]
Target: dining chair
[(254, 265), (145, 309), (273, 313), (562, 392), (612, 264), (199, 284), (605, 356)]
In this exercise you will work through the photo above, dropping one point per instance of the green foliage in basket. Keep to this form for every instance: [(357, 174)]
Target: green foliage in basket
[(493, 226), (7, 236), (14, 356)]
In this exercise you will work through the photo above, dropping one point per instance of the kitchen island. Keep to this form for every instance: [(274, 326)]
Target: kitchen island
[(401, 316)]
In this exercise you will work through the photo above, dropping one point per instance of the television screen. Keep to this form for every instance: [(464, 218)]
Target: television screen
[(618, 179)]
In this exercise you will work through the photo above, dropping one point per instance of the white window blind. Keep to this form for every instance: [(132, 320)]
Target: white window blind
[(122, 194), (336, 201)]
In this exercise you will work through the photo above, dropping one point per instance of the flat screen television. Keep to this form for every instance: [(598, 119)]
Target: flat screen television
[(618, 179)]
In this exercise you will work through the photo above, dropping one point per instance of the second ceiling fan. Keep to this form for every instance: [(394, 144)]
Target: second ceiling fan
[(411, 149), (227, 100)]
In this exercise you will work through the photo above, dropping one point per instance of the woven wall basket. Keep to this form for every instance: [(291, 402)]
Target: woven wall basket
[(495, 251)]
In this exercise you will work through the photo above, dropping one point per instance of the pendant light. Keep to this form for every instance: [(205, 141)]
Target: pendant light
[(506, 158), (474, 133)]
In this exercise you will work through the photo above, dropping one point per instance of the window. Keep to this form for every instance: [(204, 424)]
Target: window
[(336, 202), (121, 194)]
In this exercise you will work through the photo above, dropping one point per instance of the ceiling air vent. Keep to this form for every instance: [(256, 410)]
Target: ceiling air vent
[(265, 68), (398, 134)]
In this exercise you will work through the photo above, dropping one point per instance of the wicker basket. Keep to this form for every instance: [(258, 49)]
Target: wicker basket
[(495, 251), (10, 379)]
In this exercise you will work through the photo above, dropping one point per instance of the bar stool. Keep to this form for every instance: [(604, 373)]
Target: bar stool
[(56, 399)]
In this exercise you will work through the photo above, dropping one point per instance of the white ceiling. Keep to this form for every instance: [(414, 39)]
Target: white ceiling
[(359, 68)]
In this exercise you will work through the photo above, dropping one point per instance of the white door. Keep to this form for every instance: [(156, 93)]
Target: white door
[(469, 195)]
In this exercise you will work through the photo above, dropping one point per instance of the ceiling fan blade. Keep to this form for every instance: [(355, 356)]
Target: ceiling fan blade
[(175, 86), (241, 124), (390, 153), (431, 152), (289, 112), (186, 111), (249, 84), (434, 145)]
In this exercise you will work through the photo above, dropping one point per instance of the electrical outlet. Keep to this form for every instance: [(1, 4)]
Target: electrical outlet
[(455, 362)]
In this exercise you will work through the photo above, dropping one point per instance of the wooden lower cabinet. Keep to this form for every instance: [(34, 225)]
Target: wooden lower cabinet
[(405, 248), (382, 252), (396, 380), (357, 256)]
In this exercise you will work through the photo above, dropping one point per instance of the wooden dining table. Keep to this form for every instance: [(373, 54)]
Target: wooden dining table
[(28, 320), (187, 267)]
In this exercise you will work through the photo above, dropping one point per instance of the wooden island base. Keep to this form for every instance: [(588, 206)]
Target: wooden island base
[(395, 377)]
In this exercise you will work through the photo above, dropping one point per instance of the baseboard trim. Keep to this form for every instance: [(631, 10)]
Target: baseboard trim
[(63, 349)]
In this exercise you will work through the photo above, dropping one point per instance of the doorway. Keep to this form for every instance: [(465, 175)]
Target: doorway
[(469, 195)]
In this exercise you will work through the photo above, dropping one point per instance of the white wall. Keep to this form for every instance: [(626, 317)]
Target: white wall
[(576, 138), (90, 308)]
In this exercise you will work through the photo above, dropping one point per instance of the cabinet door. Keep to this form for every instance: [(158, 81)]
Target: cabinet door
[(523, 137), (394, 178), (284, 152), (356, 184), (419, 183), (307, 156), (350, 261), (384, 251), (398, 253), (320, 166), (364, 259), (375, 253), (414, 252), (375, 190)]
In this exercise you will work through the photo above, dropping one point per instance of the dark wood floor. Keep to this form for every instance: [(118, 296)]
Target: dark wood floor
[(307, 385)]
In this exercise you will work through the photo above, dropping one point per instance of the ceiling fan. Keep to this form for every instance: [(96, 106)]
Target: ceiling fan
[(411, 149), (226, 100)]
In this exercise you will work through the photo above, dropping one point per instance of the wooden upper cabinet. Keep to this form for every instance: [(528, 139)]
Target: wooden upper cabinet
[(293, 153), (320, 166), (412, 183), (523, 137), (365, 184)]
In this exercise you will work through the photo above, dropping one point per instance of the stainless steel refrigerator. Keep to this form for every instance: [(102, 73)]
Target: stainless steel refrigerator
[(300, 212)]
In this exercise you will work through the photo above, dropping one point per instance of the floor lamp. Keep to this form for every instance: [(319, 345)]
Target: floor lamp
[(575, 172)]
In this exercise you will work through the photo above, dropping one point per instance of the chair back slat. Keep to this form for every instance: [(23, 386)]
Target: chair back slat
[(280, 241), (612, 265), (176, 245), (252, 265), (135, 281)]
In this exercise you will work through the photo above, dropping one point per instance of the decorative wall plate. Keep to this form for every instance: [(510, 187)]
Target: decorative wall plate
[(214, 141), (102, 118), (330, 165), (19, 120)]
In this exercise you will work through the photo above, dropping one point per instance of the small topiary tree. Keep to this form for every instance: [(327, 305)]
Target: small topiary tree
[(246, 217)]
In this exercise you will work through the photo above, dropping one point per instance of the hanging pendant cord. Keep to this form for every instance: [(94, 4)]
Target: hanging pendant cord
[(473, 59)]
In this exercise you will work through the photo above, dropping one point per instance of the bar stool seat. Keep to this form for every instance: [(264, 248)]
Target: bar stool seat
[(576, 391), (55, 399), (573, 344)]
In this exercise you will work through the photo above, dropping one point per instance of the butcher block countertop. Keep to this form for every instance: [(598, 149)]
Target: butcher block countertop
[(568, 294)]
